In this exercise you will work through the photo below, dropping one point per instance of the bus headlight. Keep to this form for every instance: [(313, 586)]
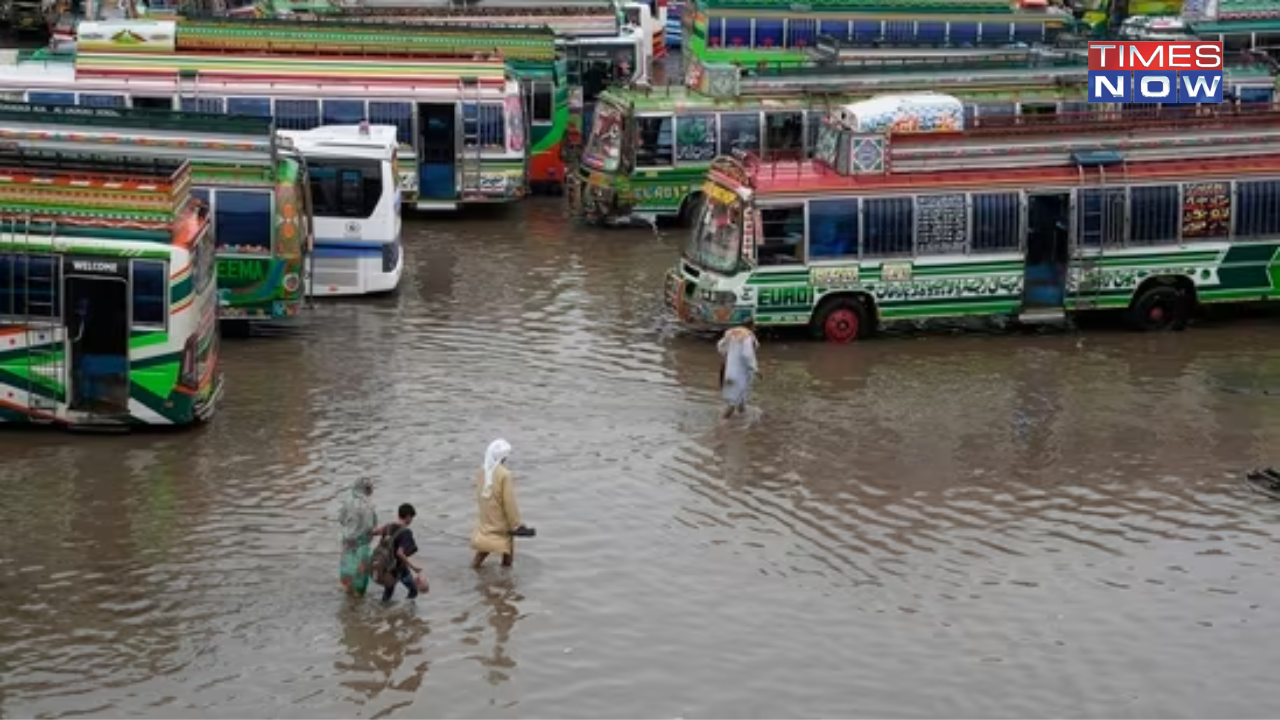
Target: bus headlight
[(717, 297)]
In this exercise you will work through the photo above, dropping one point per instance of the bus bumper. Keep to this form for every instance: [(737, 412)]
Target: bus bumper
[(205, 408), (699, 311), (593, 200)]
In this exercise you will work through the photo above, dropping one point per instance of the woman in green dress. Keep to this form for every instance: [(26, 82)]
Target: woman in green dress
[(358, 520)]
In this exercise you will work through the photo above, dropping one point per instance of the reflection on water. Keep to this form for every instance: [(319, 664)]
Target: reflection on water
[(925, 525)]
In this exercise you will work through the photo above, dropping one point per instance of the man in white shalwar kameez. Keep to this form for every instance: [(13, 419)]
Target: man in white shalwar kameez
[(739, 370)]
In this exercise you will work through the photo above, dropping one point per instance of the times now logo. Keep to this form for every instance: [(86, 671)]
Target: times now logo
[(1175, 73)]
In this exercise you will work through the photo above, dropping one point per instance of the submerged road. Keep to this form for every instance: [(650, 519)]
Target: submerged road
[(931, 525)]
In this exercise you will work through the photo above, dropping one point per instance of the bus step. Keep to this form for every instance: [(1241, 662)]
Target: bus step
[(1044, 316)]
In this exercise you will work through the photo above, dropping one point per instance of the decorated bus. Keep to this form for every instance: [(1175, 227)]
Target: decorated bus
[(258, 193), (108, 295), (904, 215), (459, 117), (564, 55), (649, 151), (748, 31)]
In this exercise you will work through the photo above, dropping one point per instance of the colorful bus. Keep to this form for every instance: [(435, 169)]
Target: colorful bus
[(564, 55), (566, 18), (261, 224), (904, 216), (352, 171), (460, 120), (108, 295), (648, 152), (1243, 25), (749, 31)]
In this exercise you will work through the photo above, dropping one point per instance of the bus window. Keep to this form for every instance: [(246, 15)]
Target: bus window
[(102, 101), (398, 114), (781, 236), (348, 188), (297, 114), (29, 286), (243, 220), (784, 135), (833, 229), (654, 142), (543, 105), (739, 131), (344, 112), (203, 104), (1154, 214), (249, 106), (1258, 208), (150, 293), (888, 225), (695, 138), (51, 98), (995, 222)]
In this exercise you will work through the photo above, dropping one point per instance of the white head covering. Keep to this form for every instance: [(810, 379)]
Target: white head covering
[(493, 457)]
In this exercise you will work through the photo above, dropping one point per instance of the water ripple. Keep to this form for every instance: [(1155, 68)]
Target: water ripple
[(966, 525)]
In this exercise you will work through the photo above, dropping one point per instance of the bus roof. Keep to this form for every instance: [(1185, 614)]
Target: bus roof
[(1019, 152), (480, 6), (881, 7), (367, 141), (328, 69), (144, 194), (569, 18), (335, 37), (994, 81)]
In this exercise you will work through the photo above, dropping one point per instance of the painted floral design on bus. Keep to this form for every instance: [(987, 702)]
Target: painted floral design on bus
[(515, 124)]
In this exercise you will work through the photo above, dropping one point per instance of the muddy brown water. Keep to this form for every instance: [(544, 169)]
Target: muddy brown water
[(972, 525)]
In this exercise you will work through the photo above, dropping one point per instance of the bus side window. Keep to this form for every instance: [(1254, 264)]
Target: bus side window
[(150, 293), (655, 143), (782, 236), (543, 106)]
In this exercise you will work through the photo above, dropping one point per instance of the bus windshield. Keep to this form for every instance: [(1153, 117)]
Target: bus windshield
[(716, 240), (604, 147)]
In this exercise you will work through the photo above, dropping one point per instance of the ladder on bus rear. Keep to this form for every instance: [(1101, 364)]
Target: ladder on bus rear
[(46, 367), (1092, 167), (469, 179)]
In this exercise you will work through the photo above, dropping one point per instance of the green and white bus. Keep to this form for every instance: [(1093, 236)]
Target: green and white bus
[(1033, 222), (108, 294), (649, 150)]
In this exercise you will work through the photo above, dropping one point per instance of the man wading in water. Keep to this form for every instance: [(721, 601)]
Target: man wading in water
[(738, 368), (498, 517)]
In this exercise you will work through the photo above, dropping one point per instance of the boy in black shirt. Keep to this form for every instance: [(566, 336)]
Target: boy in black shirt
[(404, 547)]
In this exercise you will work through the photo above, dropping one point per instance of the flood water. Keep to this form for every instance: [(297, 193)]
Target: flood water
[(973, 525)]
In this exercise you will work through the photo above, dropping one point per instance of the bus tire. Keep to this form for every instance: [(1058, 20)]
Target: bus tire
[(841, 320), (1161, 307)]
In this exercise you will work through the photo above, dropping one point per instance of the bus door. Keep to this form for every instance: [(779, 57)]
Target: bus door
[(1048, 251), (438, 155), (96, 316)]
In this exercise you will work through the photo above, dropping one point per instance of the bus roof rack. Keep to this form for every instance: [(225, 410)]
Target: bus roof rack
[(150, 173), (525, 42)]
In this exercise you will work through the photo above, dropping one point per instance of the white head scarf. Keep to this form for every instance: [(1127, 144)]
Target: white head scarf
[(498, 451)]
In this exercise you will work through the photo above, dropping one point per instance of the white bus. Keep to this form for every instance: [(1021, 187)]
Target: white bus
[(356, 204)]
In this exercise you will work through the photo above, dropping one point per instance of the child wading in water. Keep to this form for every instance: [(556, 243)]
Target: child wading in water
[(403, 546)]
